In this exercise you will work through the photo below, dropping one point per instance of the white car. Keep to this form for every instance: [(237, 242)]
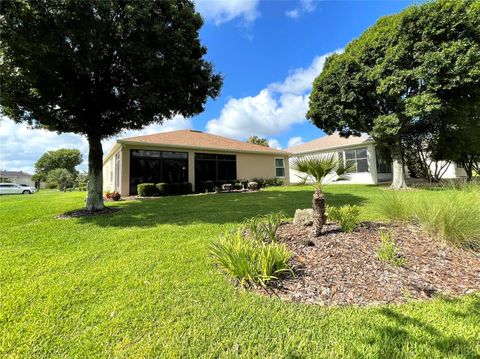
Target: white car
[(13, 188)]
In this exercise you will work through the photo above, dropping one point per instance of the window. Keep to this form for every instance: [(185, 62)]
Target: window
[(279, 167), (215, 167), (357, 159), (156, 167)]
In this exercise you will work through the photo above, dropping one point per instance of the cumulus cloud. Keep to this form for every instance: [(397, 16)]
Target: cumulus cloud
[(305, 7), (294, 141), (20, 147), (273, 110), (221, 11), (273, 143)]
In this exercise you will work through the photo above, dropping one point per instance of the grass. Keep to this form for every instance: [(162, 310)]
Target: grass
[(141, 283)]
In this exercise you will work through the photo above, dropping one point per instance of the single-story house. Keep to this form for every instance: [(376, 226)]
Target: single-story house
[(188, 156), (18, 177), (359, 151)]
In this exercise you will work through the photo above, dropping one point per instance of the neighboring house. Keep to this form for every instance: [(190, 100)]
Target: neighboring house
[(368, 166), (188, 156), (18, 177)]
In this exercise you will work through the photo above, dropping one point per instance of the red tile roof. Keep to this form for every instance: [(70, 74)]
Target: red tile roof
[(200, 140)]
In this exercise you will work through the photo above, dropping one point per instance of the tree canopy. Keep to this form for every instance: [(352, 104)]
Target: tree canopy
[(67, 158), (99, 67), (258, 141), (408, 74)]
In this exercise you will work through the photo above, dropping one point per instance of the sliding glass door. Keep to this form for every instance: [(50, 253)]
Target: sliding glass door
[(148, 166)]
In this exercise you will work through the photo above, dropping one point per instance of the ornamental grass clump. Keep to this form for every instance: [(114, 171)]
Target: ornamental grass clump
[(347, 216), (249, 261), (395, 205), (453, 217)]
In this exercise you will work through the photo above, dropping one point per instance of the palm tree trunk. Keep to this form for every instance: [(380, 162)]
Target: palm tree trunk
[(319, 218)]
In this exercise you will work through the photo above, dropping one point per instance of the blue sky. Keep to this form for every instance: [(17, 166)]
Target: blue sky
[(269, 52)]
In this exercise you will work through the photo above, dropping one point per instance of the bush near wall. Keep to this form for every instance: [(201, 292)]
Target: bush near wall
[(147, 190), (177, 188), (268, 182)]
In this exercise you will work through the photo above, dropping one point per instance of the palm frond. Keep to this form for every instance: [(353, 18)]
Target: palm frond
[(316, 166)]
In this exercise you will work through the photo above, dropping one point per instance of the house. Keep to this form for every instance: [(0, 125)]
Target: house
[(360, 152), (188, 156), (18, 177)]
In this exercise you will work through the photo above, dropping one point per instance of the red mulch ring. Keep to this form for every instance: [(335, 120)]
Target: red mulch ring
[(84, 213), (343, 268)]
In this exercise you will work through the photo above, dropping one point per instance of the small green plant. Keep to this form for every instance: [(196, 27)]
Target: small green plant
[(388, 251), (250, 261), (347, 216), (264, 228), (394, 205)]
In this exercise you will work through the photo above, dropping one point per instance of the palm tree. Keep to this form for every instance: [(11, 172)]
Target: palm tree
[(319, 167)]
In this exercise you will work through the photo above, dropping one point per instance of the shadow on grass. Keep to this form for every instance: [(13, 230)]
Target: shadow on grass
[(213, 208), (396, 338)]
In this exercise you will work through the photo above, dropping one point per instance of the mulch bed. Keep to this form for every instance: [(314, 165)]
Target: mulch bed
[(84, 213), (343, 268)]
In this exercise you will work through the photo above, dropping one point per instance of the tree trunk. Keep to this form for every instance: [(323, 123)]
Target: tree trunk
[(318, 205), (95, 176), (398, 181)]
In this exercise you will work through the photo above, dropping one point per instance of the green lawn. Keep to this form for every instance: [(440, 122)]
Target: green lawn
[(140, 284)]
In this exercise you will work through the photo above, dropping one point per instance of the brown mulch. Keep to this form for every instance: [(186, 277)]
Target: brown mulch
[(343, 268), (84, 213)]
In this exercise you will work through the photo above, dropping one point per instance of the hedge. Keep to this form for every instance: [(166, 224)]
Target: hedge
[(147, 190)]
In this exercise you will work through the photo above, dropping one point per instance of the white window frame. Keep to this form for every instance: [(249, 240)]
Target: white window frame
[(344, 157), (284, 167)]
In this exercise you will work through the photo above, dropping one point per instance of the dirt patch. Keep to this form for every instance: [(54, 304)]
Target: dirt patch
[(343, 268), (84, 213)]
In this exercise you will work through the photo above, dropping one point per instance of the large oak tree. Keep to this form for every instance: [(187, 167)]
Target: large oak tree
[(407, 74), (97, 68)]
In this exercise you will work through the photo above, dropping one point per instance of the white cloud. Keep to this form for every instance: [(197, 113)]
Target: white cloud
[(273, 143), (21, 147), (305, 7), (221, 11), (294, 14), (273, 110), (294, 141)]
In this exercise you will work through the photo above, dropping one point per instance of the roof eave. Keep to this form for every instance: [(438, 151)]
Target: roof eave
[(366, 142)]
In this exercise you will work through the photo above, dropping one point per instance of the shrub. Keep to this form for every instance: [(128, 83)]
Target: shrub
[(166, 189), (163, 188), (394, 205), (252, 186), (250, 261), (347, 216), (264, 228), (147, 190), (388, 251), (115, 196), (260, 182), (238, 185), (453, 217)]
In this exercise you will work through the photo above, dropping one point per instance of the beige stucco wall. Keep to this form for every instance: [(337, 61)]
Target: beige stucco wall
[(249, 165)]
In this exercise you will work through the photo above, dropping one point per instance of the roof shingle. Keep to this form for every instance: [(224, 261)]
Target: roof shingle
[(200, 140)]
